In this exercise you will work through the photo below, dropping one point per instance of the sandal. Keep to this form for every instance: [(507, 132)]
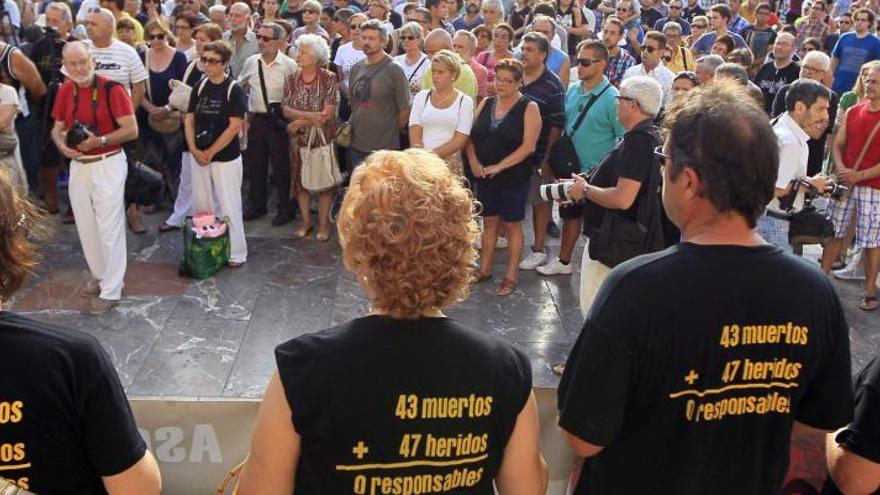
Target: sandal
[(506, 288), (322, 236), (303, 232), (167, 227), (477, 276), (869, 303)]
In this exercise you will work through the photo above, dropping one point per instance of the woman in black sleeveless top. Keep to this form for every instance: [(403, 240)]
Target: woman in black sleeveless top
[(403, 400), (502, 141)]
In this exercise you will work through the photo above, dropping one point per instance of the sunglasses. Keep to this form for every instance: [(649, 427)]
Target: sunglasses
[(660, 155), (182, 27), (625, 98), (267, 39), (649, 49), (699, 26), (210, 61), (310, 12), (354, 26), (408, 38), (159, 36), (674, 7), (587, 62)]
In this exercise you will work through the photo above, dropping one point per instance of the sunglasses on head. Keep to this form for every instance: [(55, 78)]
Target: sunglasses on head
[(587, 62), (210, 61), (267, 39), (160, 36)]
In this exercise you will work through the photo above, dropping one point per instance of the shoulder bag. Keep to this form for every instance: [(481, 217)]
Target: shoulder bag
[(274, 110), (563, 157), (319, 169), (171, 122)]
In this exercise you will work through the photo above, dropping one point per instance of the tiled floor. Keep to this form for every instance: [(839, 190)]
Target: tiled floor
[(174, 336)]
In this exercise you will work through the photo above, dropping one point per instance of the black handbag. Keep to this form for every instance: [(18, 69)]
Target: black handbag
[(274, 110), (809, 226), (563, 158)]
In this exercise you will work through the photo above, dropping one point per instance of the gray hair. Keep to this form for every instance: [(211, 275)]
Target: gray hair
[(61, 7), (76, 45), (495, 3), (819, 57), (545, 18), (317, 46), (314, 4), (645, 91), (636, 6), (215, 9), (241, 4), (734, 71), (672, 26), (107, 14), (277, 31), (711, 62), (469, 35), (375, 26), (441, 35), (412, 29)]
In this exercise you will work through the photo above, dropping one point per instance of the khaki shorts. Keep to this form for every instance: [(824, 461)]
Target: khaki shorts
[(534, 189)]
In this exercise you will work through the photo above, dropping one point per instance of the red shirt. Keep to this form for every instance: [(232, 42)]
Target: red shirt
[(860, 121), (120, 106)]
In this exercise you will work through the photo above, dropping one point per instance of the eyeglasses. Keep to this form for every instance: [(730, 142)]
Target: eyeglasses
[(625, 98), (354, 26), (813, 70), (187, 2), (623, 10), (408, 38), (660, 155), (267, 39), (310, 11), (649, 48), (159, 36), (587, 62), (182, 27), (210, 61), (699, 26), (674, 7)]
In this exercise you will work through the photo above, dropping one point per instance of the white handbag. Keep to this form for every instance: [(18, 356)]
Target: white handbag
[(319, 170)]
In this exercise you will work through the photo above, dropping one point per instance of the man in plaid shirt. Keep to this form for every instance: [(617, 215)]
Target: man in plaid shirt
[(738, 24), (619, 60), (814, 25)]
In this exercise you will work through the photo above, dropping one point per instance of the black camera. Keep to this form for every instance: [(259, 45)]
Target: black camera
[(559, 191), (205, 138), (77, 134), (837, 191)]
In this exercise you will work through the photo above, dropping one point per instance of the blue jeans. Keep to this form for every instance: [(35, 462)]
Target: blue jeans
[(356, 157), (774, 231)]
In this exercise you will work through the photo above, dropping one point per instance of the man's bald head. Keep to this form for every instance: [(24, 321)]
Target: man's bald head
[(239, 15), (438, 39), (100, 25)]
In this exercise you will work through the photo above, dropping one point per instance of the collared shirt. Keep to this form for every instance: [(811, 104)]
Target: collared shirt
[(793, 155), (685, 25), (682, 60), (660, 74), (242, 51), (274, 73), (617, 66), (600, 130), (548, 93), (738, 25), (809, 29)]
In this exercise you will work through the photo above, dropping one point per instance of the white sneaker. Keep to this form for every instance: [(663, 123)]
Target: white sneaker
[(555, 267), (850, 273), (533, 260), (501, 243)]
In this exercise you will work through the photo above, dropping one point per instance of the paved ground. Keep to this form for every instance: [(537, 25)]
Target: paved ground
[(174, 336)]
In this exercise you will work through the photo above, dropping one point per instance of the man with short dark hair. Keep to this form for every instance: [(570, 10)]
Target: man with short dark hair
[(687, 353), (854, 49), (719, 15), (545, 88), (692, 10), (652, 63), (844, 25), (805, 117), (117, 7), (738, 24), (619, 60), (760, 35), (675, 15), (265, 74), (815, 25), (438, 15)]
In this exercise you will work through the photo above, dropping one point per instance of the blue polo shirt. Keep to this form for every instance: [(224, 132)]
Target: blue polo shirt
[(600, 130)]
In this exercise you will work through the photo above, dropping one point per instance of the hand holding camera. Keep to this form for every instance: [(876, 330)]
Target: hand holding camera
[(566, 190), (82, 137)]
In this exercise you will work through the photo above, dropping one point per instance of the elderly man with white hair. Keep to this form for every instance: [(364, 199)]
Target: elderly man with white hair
[(241, 39), (816, 65), (622, 210)]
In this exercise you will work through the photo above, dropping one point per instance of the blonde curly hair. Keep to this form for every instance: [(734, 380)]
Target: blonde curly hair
[(407, 231)]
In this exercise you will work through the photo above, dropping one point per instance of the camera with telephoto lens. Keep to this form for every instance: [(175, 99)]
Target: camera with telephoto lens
[(558, 191), (77, 134)]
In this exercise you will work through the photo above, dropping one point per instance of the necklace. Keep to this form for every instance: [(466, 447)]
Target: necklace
[(445, 102)]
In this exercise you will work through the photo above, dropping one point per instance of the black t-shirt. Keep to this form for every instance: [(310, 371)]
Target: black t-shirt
[(650, 17), (690, 12), (770, 79), (693, 364), (213, 107), (862, 437), (631, 158), (64, 418), (427, 404)]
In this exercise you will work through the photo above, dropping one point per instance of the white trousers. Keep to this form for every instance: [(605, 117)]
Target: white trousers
[(183, 205), (222, 181), (97, 197), (593, 274)]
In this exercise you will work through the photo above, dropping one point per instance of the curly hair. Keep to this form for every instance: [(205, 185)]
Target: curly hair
[(22, 227), (407, 231)]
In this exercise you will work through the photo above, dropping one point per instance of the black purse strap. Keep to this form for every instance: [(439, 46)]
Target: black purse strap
[(586, 109), (422, 62), (263, 84)]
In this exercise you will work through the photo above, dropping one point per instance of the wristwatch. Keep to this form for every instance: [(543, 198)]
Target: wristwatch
[(103, 141)]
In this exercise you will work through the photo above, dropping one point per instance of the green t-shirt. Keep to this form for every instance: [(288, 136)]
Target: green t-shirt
[(466, 82)]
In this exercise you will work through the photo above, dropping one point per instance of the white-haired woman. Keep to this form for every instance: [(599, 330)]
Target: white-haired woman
[(414, 62), (493, 13), (310, 98), (311, 15)]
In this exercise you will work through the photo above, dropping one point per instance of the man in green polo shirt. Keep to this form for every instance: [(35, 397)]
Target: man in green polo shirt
[(437, 40), (596, 136)]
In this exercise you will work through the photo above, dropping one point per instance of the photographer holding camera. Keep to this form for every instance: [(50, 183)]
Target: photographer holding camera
[(806, 116), (93, 117), (622, 209)]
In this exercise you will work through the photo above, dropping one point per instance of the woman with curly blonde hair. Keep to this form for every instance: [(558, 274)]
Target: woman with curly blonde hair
[(383, 389)]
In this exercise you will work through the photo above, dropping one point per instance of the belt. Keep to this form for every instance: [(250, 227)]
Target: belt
[(98, 158)]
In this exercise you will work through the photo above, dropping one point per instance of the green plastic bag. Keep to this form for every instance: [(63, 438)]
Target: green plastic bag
[(204, 257)]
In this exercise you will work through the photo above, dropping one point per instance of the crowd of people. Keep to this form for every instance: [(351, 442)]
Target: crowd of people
[(747, 115)]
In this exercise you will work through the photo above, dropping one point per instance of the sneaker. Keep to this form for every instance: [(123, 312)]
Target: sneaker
[(850, 273), (100, 306), (555, 267), (501, 243), (533, 260)]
